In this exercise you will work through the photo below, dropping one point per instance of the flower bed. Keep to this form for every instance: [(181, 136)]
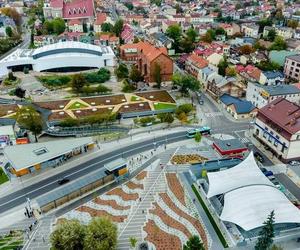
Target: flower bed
[(187, 159)]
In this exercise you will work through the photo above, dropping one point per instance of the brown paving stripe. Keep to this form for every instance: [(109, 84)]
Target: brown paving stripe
[(5, 108), (133, 185), (176, 187), (169, 221), (101, 213), (196, 223), (142, 175), (111, 203), (90, 112), (53, 105), (60, 115), (124, 196), (161, 239)]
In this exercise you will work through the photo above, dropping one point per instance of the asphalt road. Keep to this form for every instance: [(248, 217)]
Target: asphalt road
[(291, 186), (37, 189)]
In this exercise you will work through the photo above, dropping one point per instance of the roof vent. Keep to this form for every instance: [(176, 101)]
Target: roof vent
[(228, 144)]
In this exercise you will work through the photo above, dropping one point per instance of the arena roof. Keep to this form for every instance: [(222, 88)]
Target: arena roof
[(248, 207), (244, 174)]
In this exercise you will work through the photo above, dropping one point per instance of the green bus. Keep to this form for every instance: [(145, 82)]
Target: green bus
[(202, 130)]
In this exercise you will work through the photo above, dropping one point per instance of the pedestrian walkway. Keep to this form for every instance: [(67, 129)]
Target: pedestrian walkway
[(153, 183)]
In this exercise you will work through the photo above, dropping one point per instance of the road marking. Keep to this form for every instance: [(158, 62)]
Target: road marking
[(88, 166), (213, 114)]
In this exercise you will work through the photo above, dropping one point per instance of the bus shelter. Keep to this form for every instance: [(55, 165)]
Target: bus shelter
[(117, 167)]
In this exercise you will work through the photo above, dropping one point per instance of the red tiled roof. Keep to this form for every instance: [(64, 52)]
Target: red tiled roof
[(74, 21), (56, 3), (198, 61), (78, 9), (284, 113), (101, 18)]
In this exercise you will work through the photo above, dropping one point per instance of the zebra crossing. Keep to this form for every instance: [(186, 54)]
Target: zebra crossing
[(213, 114), (244, 140)]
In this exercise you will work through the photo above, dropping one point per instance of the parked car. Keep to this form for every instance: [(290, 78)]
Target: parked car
[(294, 163), (259, 157), (263, 170), (272, 178), (268, 173), (277, 184), (63, 181)]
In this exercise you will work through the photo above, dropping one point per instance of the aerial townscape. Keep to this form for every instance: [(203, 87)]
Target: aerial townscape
[(150, 124)]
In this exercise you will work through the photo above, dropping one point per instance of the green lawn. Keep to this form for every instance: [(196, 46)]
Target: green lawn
[(160, 106), (3, 176), (210, 217), (77, 105), (135, 98)]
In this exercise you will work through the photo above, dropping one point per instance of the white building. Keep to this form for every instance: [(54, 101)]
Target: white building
[(261, 95), (250, 30), (277, 126), (59, 55)]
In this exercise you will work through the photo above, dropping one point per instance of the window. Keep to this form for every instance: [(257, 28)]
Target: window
[(275, 143), (265, 134), (40, 151), (298, 137), (297, 70), (293, 63)]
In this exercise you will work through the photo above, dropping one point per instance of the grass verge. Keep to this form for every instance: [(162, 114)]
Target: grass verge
[(3, 176), (211, 219), (161, 105)]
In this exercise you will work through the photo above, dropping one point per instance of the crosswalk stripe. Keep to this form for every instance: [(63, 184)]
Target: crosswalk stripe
[(213, 114)]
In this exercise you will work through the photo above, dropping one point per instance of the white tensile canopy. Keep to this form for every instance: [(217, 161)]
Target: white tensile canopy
[(248, 207), (244, 174)]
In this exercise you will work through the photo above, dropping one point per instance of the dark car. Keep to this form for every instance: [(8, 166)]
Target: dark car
[(268, 173), (63, 181), (259, 157), (263, 170)]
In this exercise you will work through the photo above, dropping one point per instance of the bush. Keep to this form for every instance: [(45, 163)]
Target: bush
[(145, 120), (184, 108), (89, 120), (128, 87), (101, 89), (55, 80), (101, 76), (166, 117)]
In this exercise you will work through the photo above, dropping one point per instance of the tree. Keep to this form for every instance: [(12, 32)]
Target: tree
[(187, 45), (135, 75), (118, 27), (278, 44), (107, 27), (292, 23), (48, 27), (30, 119), (198, 137), (122, 71), (264, 22), (209, 36), (166, 117), (157, 75), (185, 82), (266, 234), (178, 9), (101, 234), (194, 243), (271, 35), (129, 5), (268, 66), (132, 242), (220, 31), (223, 64), (68, 236), (182, 117), (136, 39), (238, 6), (192, 34), (77, 82), (9, 31), (246, 49), (174, 32), (58, 26), (230, 71), (19, 92)]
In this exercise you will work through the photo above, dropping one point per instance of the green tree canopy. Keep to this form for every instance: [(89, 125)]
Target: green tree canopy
[(121, 71), (198, 137), (264, 22), (77, 82), (101, 234), (135, 75), (175, 33), (187, 45), (58, 26), (118, 27), (30, 119), (192, 34), (185, 82), (293, 24), (194, 243), (223, 64), (68, 236), (9, 31), (278, 44), (266, 234), (271, 35), (107, 27), (157, 75)]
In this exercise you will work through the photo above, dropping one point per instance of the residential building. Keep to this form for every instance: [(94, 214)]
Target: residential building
[(147, 56), (292, 67), (218, 85), (250, 73), (75, 25), (228, 28), (277, 126), (101, 18), (250, 30), (271, 77), (194, 64), (127, 34), (108, 40), (284, 32), (238, 108), (261, 95)]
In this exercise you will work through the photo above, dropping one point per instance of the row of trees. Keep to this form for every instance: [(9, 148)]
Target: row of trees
[(100, 234), (55, 26), (185, 83), (117, 28)]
